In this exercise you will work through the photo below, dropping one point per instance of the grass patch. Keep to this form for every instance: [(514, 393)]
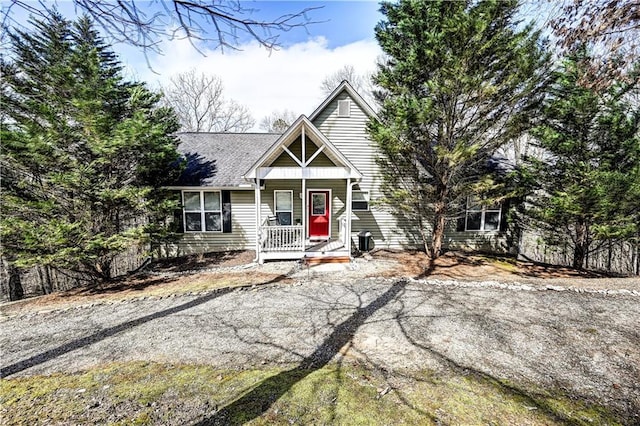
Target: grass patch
[(152, 393), (506, 265)]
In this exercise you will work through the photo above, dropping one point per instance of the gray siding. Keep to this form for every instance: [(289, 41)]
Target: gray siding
[(483, 241), (349, 135), (321, 160), (284, 160), (267, 203), (242, 236)]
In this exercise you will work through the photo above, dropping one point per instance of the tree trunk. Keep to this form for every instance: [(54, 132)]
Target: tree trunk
[(438, 230), (423, 233), (518, 230), (637, 248), (103, 269), (47, 273), (581, 246), (16, 292), (42, 279)]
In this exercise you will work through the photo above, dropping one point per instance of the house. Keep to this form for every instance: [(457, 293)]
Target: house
[(305, 193)]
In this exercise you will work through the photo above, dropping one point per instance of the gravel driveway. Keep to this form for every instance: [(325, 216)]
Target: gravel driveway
[(584, 343)]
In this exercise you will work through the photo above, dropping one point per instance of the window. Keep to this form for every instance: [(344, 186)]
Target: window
[(202, 211), (318, 204), (482, 217), (283, 201), (360, 201)]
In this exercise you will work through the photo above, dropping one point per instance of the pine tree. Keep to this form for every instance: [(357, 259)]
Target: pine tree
[(587, 188), (85, 152), (458, 82)]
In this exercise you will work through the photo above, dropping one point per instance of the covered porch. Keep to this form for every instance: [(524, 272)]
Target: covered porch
[(302, 219), (303, 191), (289, 242)]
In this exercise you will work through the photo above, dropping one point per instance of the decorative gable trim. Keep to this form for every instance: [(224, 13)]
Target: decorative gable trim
[(345, 86), (302, 126)]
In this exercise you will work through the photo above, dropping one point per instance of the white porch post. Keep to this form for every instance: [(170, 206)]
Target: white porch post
[(258, 221), (303, 141), (304, 209), (347, 231)]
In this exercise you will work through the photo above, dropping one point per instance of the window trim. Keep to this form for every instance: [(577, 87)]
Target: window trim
[(275, 204), (367, 200), (483, 210), (202, 211)]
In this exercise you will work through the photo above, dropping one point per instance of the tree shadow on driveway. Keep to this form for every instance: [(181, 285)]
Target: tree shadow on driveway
[(496, 331), (259, 399), (103, 334), (50, 354)]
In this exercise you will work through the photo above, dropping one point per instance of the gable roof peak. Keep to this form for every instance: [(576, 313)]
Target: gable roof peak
[(345, 86), (289, 136)]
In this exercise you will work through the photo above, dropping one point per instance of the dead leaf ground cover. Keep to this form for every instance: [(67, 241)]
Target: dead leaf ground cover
[(206, 272), (150, 286), (477, 267)]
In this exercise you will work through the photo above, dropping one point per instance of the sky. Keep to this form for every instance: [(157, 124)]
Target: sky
[(287, 78), (341, 33)]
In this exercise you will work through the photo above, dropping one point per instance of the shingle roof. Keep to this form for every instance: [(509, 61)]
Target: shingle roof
[(220, 159)]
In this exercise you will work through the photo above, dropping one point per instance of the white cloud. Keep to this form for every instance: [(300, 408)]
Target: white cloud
[(264, 81)]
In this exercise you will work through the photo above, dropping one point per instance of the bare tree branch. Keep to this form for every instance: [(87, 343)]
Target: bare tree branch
[(200, 105), (611, 28), (360, 82), (125, 21), (278, 121)]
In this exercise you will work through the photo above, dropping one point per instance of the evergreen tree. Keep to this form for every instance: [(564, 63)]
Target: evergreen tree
[(587, 188), (458, 81), (84, 151)]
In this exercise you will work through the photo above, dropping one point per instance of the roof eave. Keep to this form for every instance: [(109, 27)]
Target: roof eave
[(240, 187)]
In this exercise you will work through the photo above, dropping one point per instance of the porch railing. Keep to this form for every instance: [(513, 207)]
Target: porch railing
[(282, 238)]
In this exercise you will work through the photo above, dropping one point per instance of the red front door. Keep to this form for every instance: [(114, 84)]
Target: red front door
[(319, 214)]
